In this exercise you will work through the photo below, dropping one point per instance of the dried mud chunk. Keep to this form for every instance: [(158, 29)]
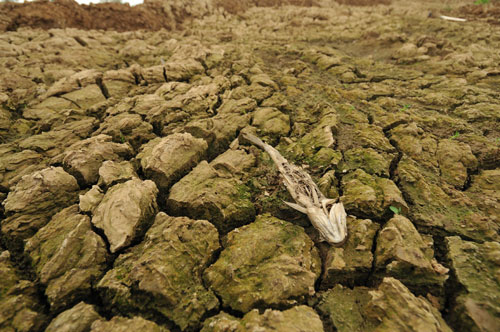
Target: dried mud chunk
[(391, 307), (19, 307), (271, 122), (146, 103), (84, 158), (480, 112), (91, 199), (85, 97), (408, 51), (199, 99), (34, 200), (387, 112), (171, 90), (397, 309), (123, 324), (15, 164), (218, 131), (127, 128), (118, 82), (414, 142), (215, 192), (57, 104), (67, 256), (277, 100), (255, 91), (47, 118), (485, 191), (172, 71), (353, 261), (296, 319), (77, 319), (455, 158), (369, 160), (438, 99), (404, 254), (222, 322), (325, 62), (183, 70), (163, 273), (122, 106), (233, 163), (264, 80), (486, 151), (54, 142), (126, 211), (112, 172), (74, 82), (269, 262), (370, 196), (344, 308), (165, 160), (476, 267), (370, 136), (316, 146), (449, 212), (237, 106), (5, 120)]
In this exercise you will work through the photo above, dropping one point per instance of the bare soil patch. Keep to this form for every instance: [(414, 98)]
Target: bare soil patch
[(364, 2), (69, 14), (489, 12)]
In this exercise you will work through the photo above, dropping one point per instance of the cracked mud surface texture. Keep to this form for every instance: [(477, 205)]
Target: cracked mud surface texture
[(126, 200)]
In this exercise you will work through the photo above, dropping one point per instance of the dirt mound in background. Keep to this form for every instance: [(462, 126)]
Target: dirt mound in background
[(152, 15), (69, 14), (238, 6), (364, 2), (490, 12)]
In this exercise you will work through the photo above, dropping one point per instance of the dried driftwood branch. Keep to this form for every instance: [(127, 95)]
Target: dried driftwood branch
[(326, 215), (454, 19)]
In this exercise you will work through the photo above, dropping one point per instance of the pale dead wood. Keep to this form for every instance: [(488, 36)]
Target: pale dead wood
[(326, 215)]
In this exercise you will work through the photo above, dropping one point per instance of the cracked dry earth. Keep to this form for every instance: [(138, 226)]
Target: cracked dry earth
[(127, 204)]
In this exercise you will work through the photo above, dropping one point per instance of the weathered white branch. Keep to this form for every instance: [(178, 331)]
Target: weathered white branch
[(332, 224)]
